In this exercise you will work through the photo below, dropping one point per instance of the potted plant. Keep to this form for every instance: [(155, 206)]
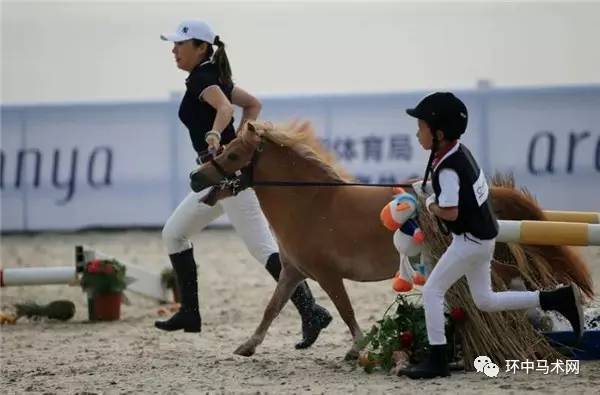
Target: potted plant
[(104, 282), (168, 278)]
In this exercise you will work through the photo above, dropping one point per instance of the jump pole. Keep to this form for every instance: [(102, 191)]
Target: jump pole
[(38, 276), (549, 233), (588, 217), (139, 280)]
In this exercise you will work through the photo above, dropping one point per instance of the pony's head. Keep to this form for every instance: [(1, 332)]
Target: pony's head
[(229, 162), (399, 210)]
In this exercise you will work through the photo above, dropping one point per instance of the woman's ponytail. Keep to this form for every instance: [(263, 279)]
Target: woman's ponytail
[(220, 59)]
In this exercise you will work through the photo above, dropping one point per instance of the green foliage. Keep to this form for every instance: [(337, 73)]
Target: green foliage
[(58, 310), (402, 330), (103, 276), (168, 278)]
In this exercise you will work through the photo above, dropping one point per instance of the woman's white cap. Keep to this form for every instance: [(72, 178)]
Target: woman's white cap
[(191, 29)]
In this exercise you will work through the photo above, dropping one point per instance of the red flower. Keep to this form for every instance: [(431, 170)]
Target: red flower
[(93, 266), (406, 338), (458, 314)]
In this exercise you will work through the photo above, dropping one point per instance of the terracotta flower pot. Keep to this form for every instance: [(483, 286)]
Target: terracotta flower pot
[(105, 306)]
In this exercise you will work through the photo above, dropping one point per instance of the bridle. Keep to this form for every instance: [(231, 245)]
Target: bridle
[(240, 179)]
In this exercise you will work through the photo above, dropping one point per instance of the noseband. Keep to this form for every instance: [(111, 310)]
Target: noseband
[(240, 179)]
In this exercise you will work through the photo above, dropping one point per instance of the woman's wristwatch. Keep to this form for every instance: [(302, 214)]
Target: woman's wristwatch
[(214, 133)]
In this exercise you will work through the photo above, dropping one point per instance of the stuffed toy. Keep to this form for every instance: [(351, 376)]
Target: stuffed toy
[(400, 216)]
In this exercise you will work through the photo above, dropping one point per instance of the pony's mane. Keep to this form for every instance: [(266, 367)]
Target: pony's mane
[(300, 137)]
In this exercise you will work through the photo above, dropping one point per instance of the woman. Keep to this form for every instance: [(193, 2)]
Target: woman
[(206, 110)]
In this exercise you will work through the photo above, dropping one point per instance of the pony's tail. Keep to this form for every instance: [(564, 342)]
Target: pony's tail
[(559, 262)]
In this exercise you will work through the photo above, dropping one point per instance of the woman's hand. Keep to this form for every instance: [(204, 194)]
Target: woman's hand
[(213, 139)]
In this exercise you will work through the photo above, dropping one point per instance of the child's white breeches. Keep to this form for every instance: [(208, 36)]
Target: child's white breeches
[(471, 257)]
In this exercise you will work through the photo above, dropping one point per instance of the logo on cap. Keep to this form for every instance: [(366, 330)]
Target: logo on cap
[(462, 114), (185, 29)]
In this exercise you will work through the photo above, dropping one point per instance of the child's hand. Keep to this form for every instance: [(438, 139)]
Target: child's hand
[(430, 201), (418, 187)]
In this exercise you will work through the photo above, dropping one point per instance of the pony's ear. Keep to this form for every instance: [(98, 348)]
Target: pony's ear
[(260, 127), (255, 127), (243, 127)]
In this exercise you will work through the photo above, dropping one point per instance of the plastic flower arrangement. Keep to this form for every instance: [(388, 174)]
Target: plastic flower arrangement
[(401, 337), (103, 276)]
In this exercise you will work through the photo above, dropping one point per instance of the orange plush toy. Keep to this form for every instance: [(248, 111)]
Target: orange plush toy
[(400, 216)]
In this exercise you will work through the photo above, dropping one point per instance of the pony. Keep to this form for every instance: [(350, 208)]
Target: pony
[(317, 237)]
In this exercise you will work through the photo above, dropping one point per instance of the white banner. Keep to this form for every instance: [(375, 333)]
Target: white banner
[(550, 140), (85, 166), (119, 165)]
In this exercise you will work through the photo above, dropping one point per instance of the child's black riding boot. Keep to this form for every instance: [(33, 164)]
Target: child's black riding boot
[(188, 316), (314, 317), (436, 365), (567, 301)]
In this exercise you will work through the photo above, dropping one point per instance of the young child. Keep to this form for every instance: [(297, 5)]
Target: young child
[(460, 199)]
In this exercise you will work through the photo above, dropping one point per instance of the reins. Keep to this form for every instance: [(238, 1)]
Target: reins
[(323, 184), (245, 178)]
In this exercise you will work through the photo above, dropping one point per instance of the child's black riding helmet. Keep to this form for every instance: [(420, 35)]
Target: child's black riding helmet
[(442, 111)]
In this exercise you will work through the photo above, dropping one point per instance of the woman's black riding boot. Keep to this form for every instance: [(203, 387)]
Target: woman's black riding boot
[(188, 316), (314, 317), (567, 301), (436, 365)]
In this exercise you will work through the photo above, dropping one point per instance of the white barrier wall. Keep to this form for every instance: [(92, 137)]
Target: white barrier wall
[(85, 165), (117, 165)]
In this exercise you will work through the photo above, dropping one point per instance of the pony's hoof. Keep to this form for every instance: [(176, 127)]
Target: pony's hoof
[(245, 350)]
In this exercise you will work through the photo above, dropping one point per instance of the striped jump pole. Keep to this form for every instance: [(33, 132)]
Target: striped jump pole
[(588, 217), (38, 276), (549, 233), (139, 280)]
